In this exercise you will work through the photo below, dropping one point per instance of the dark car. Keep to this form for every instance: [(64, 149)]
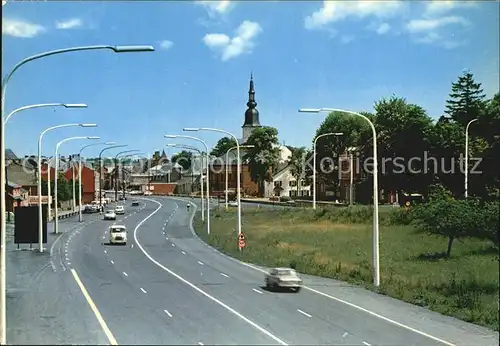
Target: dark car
[(135, 203)]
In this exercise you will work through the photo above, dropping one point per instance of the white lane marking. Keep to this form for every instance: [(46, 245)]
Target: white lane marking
[(125, 274), (183, 252), (200, 343), (225, 275), (112, 262), (200, 263), (143, 290), (365, 343), (163, 232), (256, 290), (105, 251), (168, 313), (304, 313), (173, 244), (96, 312), (69, 263), (215, 300), (344, 335), (132, 246)]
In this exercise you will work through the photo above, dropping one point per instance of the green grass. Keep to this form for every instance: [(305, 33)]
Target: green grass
[(336, 243)]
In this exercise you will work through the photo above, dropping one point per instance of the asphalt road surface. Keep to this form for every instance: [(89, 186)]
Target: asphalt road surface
[(168, 287)]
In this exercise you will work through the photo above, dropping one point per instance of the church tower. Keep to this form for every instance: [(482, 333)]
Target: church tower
[(251, 114)]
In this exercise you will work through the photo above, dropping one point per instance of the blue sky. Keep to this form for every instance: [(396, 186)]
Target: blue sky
[(302, 54)]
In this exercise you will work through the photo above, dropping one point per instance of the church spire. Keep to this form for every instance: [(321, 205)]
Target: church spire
[(251, 104)]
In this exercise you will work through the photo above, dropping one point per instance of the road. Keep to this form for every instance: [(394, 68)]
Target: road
[(168, 287)]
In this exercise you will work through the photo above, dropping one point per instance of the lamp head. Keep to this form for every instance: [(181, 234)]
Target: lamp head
[(248, 146), (93, 137), (190, 129), (109, 143), (132, 49), (339, 133), (170, 136), (88, 125), (309, 110), (75, 105)]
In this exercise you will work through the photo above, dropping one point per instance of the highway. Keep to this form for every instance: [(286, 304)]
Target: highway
[(168, 287)]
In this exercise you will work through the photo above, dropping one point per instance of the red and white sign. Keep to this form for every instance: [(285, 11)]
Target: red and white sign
[(241, 241), (33, 200)]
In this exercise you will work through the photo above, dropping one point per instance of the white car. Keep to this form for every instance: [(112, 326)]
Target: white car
[(147, 193), (110, 215), (118, 234), (283, 278), (120, 210), (233, 203)]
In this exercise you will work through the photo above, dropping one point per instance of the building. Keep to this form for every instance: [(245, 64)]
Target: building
[(23, 172), (159, 180), (16, 197), (90, 182)]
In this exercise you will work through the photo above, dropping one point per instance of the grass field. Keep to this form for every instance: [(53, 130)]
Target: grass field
[(337, 244)]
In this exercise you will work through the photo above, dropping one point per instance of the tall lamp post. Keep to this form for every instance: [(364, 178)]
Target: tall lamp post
[(5, 81), (56, 216), (80, 218), (376, 259), (100, 169), (39, 186), (116, 169), (201, 179), (314, 161), (466, 168), (227, 169), (123, 171), (39, 105), (208, 172), (238, 179)]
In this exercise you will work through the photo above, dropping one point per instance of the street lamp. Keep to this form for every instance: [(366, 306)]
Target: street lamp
[(123, 171), (201, 179), (80, 218), (238, 182), (208, 173), (314, 161), (100, 169), (40, 105), (376, 259), (5, 81), (116, 169), (466, 170), (39, 186), (227, 169), (56, 219)]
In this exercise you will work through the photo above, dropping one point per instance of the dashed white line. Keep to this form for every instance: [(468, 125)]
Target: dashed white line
[(112, 262), (125, 274), (365, 343), (200, 343), (304, 313), (200, 262), (166, 238), (344, 335), (173, 244), (225, 275), (143, 290), (105, 251), (132, 245), (168, 313), (256, 290), (183, 252)]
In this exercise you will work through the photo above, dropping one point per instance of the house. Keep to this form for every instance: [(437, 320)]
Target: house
[(23, 172), (89, 182), (160, 180), (16, 197)]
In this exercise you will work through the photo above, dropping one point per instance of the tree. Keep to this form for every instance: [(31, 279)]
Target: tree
[(298, 161), (466, 99), (222, 146), (264, 156), (183, 158)]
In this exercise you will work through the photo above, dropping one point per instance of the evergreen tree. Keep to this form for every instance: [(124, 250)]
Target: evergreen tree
[(466, 99)]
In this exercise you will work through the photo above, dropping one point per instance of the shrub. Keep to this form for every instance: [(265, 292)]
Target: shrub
[(285, 199)]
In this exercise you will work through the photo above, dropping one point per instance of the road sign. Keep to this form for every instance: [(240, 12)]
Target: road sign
[(241, 241)]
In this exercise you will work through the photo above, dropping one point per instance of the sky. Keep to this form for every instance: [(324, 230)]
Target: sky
[(302, 55)]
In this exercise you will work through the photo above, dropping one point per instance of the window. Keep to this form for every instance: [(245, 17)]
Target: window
[(292, 183)]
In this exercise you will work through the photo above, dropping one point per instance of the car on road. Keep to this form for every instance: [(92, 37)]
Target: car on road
[(91, 209), (147, 193), (110, 215), (119, 210), (233, 204), (118, 234), (283, 278), (135, 203)]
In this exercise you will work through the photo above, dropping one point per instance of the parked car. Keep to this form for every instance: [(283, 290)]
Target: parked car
[(118, 234), (283, 278), (233, 203), (110, 215)]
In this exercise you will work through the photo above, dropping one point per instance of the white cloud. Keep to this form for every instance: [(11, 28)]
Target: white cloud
[(230, 47), (425, 25), (166, 44), (69, 24), (441, 7), (20, 28), (333, 11), (215, 8), (383, 28)]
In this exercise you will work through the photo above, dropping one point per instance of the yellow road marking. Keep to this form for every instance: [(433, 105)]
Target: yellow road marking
[(111, 338)]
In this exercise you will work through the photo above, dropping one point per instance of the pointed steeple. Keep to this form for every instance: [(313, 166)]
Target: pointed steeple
[(251, 114)]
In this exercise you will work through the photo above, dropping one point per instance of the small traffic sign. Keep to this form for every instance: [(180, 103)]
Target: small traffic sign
[(241, 243), (241, 237)]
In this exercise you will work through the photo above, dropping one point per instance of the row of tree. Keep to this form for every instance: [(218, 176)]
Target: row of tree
[(405, 131), (64, 189)]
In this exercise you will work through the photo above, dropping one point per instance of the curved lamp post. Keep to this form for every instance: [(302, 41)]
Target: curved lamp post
[(123, 170), (376, 259), (208, 173), (238, 180), (227, 168), (466, 168), (39, 186), (116, 169), (40, 105), (80, 217), (314, 161), (201, 182), (56, 216), (5, 81), (100, 168)]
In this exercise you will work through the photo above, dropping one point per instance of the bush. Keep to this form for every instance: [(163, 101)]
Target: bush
[(285, 199)]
